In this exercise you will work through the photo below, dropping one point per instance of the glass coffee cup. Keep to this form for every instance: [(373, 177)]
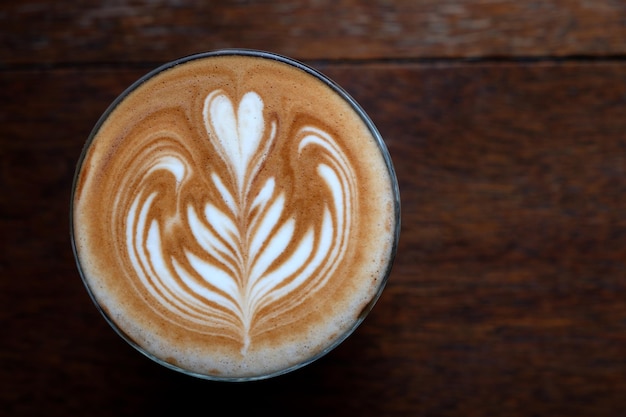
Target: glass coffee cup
[(235, 215)]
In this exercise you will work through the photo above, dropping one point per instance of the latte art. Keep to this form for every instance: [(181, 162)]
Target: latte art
[(244, 252), (234, 216)]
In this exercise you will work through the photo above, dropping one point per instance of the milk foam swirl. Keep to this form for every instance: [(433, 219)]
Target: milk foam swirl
[(231, 264)]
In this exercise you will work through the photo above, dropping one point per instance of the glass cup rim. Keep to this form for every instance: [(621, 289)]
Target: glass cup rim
[(337, 89)]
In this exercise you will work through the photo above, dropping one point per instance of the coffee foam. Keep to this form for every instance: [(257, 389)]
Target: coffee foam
[(234, 216)]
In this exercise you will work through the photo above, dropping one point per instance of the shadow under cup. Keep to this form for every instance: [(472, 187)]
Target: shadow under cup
[(234, 215)]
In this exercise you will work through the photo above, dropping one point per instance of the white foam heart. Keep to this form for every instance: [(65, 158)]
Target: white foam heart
[(235, 136)]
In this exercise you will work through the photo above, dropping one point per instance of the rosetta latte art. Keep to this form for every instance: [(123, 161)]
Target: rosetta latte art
[(241, 268)]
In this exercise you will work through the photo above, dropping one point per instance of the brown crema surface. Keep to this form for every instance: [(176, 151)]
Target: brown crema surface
[(226, 274)]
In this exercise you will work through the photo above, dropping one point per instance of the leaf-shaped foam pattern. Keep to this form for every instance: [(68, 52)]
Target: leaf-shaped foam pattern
[(242, 253)]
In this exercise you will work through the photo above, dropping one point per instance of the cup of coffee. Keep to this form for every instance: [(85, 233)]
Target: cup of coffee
[(234, 215)]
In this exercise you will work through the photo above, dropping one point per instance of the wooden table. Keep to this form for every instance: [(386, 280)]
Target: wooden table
[(506, 121)]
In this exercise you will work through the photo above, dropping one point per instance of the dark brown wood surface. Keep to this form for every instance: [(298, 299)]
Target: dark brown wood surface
[(506, 122)]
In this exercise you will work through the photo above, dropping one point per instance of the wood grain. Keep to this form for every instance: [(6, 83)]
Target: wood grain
[(506, 298), (46, 32)]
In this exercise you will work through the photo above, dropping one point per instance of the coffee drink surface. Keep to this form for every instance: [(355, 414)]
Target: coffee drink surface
[(234, 216)]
